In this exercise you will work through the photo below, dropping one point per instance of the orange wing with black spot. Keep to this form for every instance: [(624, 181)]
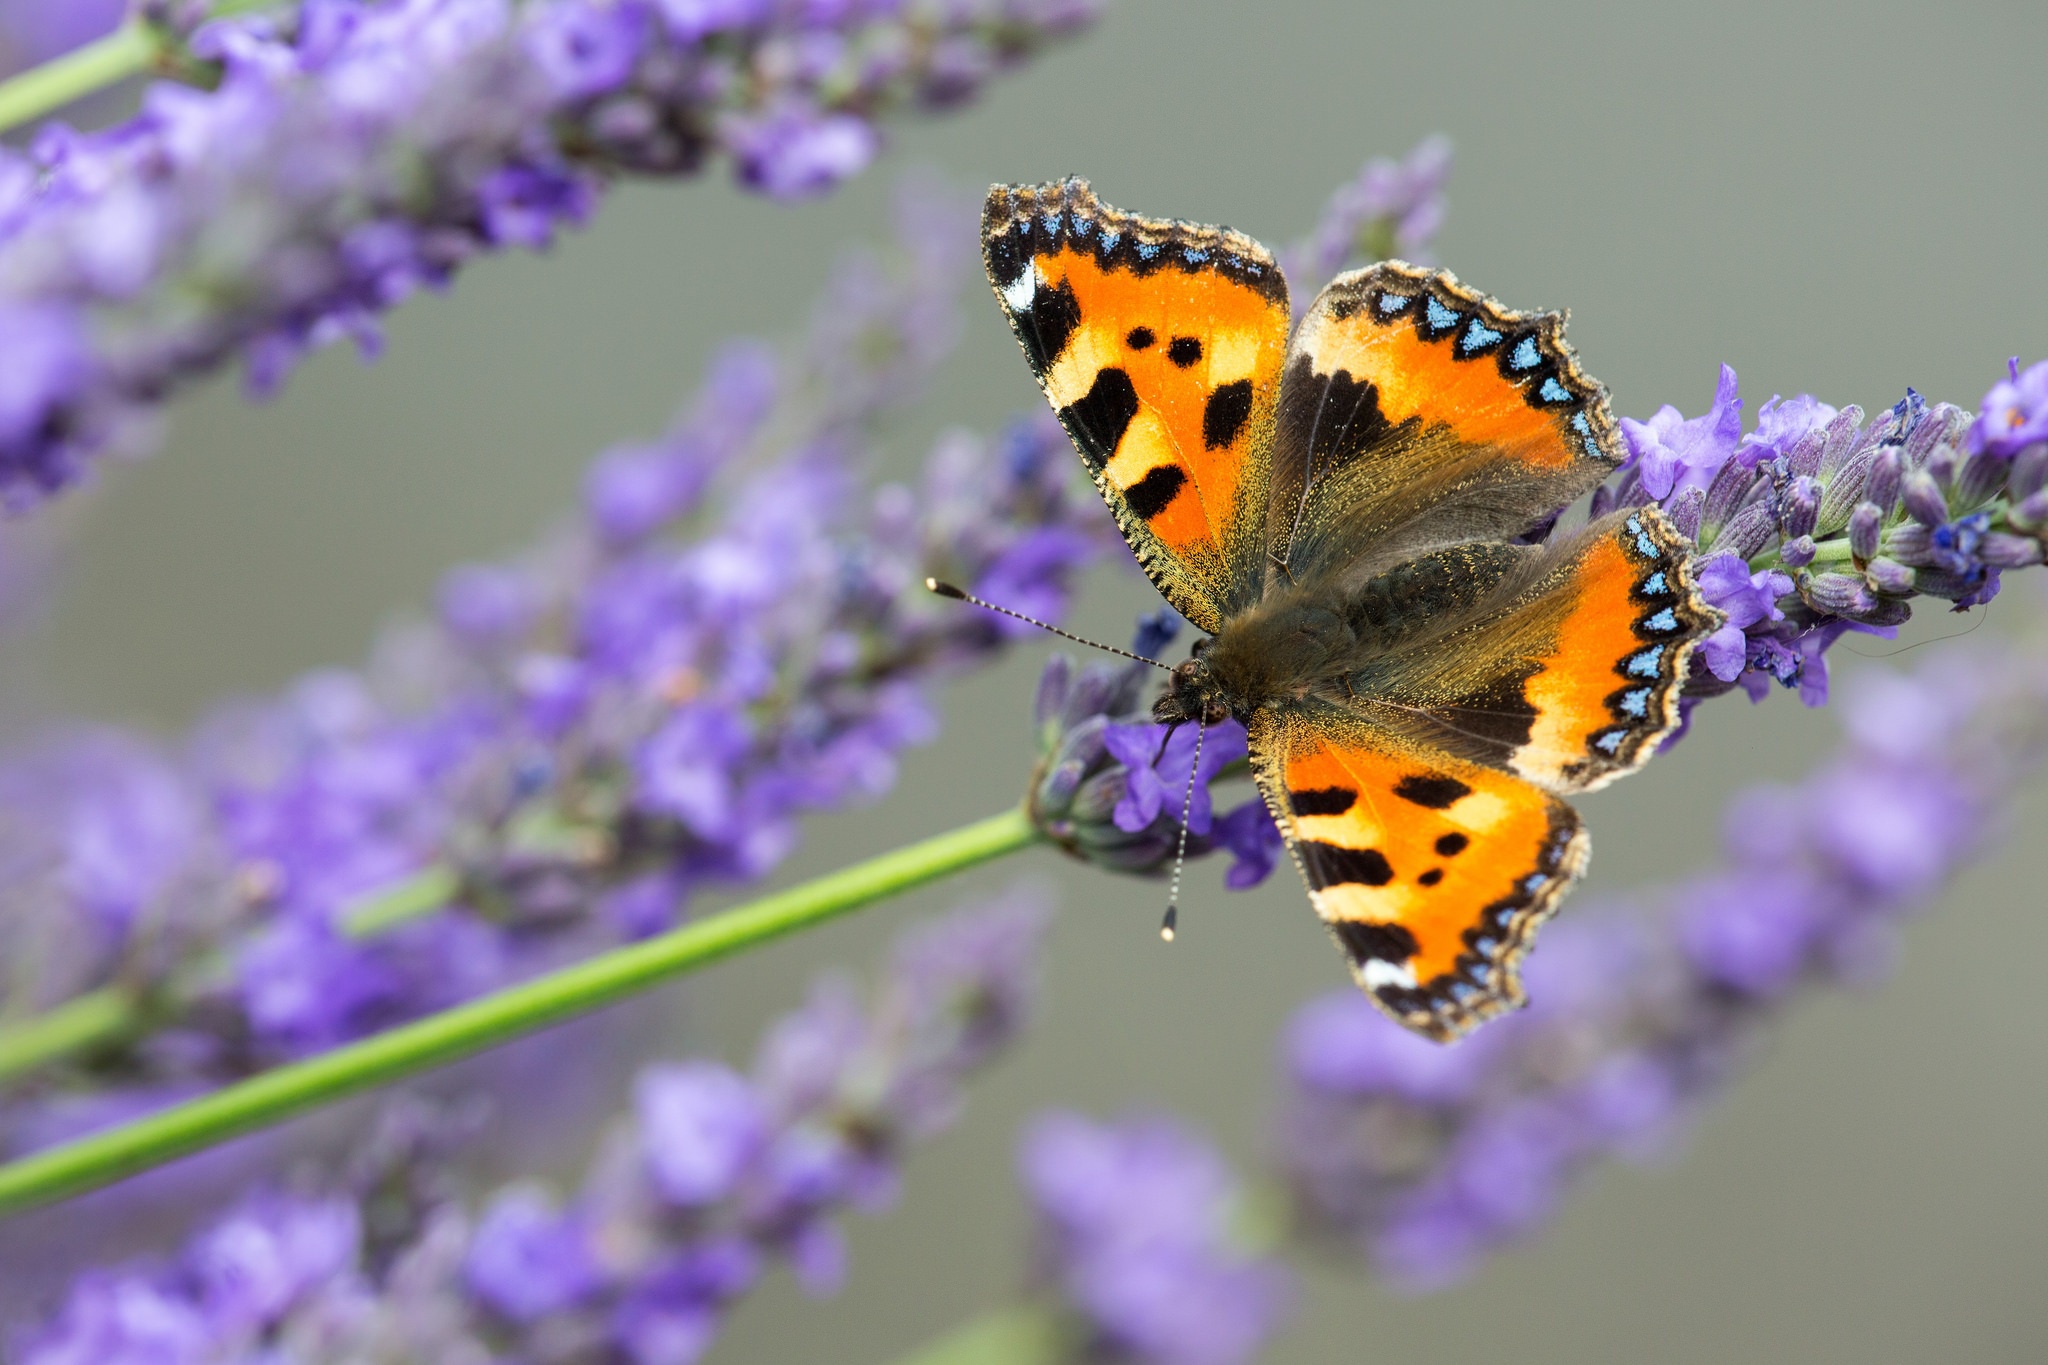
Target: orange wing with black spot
[(1431, 872), (1159, 344), (1416, 413)]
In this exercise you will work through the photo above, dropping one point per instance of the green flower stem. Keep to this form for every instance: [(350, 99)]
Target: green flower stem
[(1010, 1336), (128, 51), (133, 49), (112, 1013), (103, 1158), (79, 1023)]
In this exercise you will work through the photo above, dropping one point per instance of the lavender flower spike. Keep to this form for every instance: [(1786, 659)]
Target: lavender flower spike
[(1134, 1235), (643, 705), (713, 1177), (1813, 525), (1109, 784), (357, 152), (1426, 1159), (1392, 208)]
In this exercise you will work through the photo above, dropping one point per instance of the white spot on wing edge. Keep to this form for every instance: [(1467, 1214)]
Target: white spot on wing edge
[(1376, 972), (1018, 293)]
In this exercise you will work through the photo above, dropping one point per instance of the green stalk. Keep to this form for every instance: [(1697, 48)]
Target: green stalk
[(1011, 1336), (133, 49), (112, 1013), (128, 51), (103, 1158)]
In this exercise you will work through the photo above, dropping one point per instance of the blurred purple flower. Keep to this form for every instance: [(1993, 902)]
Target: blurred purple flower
[(642, 705), (2015, 412), (355, 152), (712, 1177), (1134, 1233), (1391, 208)]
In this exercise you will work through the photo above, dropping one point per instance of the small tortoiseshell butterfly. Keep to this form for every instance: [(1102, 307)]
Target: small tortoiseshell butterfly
[(1345, 511)]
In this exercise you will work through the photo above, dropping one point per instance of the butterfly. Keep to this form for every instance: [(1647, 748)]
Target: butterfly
[(1353, 511)]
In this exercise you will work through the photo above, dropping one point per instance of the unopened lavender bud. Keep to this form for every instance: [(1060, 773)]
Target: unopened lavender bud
[(1798, 552), (1943, 583), (1888, 576), (1839, 439), (1887, 467), (1923, 498), (1800, 508), (1866, 524), (1979, 478), (1724, 495), (2002, 550), (1941, 464), (1844, 490), (1748, 531), (2028, 472), (1911, 543), (1684, 512), (1835, 594), (2030, 513)]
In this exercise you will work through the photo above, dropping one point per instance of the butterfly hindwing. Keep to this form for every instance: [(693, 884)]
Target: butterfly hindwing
[(1416, 413), (1431, 872), (1159, 344), (1569, 676)]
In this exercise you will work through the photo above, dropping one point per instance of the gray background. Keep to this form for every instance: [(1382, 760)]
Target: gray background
[(1839, 199)]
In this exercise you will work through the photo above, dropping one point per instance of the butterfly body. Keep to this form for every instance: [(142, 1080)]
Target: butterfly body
[(1351, 509)]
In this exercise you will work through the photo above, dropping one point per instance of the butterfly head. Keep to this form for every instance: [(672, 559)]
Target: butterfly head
[(1193, 692)]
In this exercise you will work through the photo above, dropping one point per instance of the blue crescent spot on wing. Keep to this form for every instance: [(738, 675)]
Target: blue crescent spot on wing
[(1527, 355), (1478, 336)]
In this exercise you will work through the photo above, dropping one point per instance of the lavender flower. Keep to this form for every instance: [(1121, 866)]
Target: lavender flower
[(1392, 208), (643, 705), (1813, 525), (356, 152), (713, 1177), (1427, 1158), (1109, 785), (1134, 1234)]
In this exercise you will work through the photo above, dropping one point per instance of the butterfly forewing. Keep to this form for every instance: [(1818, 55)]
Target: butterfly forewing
[(1415, 413), (1159, 345)]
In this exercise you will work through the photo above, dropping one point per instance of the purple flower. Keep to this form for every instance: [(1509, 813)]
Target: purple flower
[(1781, 424), (701, 1127), (1133, 1230), (1391, 208), (357, 151), (1161, 770), (2015, 412), (1746, 599), (710, 1178), (1671, 453), (527, 1260), (1097, 792), (587, 734), (798, 153)]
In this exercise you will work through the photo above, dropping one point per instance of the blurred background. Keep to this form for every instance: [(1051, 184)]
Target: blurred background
[(1837, 199)]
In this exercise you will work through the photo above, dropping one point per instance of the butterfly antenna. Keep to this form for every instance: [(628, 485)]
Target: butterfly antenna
[(1171, 923), (948, 590)]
